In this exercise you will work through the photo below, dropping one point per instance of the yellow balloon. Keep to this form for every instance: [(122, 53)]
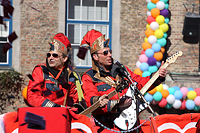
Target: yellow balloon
[(147, 26), (160, 19), (146, 39), (159, 33), (159, 88), (164, 27), (191, 95)]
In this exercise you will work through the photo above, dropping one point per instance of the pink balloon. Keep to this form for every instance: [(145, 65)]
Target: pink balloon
[(183, 106), (184, 90), (197, 90), (143, 58), (162, 103), (197, 100)]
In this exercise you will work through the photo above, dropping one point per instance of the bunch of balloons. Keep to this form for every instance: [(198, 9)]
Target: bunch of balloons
[(178, 98), (155, 40)]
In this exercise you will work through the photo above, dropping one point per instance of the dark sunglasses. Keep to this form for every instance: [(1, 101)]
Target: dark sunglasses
[(106, 52), (54, 55)]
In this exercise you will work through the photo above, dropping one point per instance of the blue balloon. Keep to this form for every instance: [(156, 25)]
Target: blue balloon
[(149, 53), (176, 88), (190, 104), (144, 66), (156, 47), (158, 64), (153, 69), (146, 73), (171, 90), (178, 95), (190, 89), (165, 35), (167, 20), (162, 41), (150, 6), (148, 97)]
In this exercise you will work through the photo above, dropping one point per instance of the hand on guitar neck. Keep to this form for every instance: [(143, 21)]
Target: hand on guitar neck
[(162, 71)]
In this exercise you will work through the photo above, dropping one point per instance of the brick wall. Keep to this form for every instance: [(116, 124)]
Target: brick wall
[(38, 25)]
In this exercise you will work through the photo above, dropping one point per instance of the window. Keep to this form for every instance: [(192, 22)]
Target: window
[(5, 60), (82, 16)]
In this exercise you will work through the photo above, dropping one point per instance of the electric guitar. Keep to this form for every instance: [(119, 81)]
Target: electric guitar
[(128, 118), (94, 106)]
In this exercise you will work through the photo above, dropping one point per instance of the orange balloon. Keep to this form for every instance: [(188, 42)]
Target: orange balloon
[(153, 91), (162, 50), (138, 71), (155, 12), (165, 93), (24, 93), (154, 1), (149, 32), (146, 45), (158, 56)]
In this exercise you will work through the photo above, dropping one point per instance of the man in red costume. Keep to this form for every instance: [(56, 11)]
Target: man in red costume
[(53, 83), (103, 78)]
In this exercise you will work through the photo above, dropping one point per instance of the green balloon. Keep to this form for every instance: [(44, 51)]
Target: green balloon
[(157, 96), (165, 1), (196, 108), (168, 106), (150, 6)]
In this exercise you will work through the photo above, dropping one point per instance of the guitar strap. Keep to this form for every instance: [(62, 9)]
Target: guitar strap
[(78, 83)]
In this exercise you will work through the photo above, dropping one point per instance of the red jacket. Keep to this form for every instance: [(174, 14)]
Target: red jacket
[(95, 87), (43, 92)]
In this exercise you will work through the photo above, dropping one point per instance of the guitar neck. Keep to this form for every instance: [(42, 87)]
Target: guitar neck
[(97, 104), (152, 80)]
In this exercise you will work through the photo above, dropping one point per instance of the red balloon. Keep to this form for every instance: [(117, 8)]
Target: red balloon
[(150, 19), (162, 103), (183, 106)]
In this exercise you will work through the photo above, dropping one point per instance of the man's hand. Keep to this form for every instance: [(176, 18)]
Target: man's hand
[(124, 103), (103, 100), (162, 71)]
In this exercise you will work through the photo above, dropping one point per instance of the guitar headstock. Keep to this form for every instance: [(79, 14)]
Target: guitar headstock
[(173, 57)]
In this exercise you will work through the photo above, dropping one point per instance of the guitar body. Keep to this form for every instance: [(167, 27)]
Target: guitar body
[(129, 115)]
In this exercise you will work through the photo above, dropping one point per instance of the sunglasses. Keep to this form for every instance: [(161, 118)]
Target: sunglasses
[(54, 55), (106, 52)]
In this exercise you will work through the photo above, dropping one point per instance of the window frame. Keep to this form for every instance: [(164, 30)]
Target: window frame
[(8, 64), (97, 22)]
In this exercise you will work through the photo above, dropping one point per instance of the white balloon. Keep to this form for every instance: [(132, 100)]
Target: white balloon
[(160, 5), (177, 104), (148, 1), (138, 63), (165, 87), (170, 99), (152, 39), (148, 13), (154, 26)]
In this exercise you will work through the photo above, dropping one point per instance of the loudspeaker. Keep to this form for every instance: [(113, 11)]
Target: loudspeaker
[(191, 28)]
